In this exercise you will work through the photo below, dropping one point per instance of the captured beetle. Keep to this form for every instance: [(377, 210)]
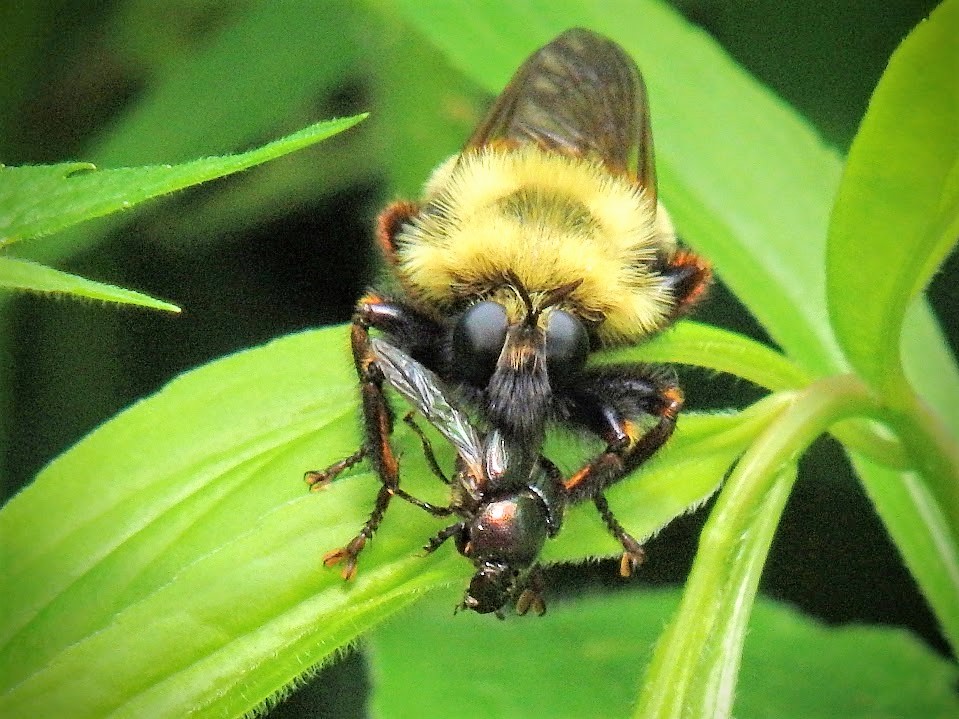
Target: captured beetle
[(507, 500)]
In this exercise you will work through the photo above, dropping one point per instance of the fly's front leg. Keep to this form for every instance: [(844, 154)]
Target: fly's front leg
[(318, 479), (373, 311), (611, 402)]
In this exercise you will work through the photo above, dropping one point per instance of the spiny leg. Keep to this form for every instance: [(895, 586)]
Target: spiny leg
[(633, 554), (348, 554), (318, 479), (610, 401), (433, 509), (440, 538), (373, 311)]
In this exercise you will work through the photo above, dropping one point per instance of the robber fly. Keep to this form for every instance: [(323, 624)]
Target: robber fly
[(538, 244)]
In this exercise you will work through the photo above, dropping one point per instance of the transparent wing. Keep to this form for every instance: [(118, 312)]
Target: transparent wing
[(425, 391), (580, 95)]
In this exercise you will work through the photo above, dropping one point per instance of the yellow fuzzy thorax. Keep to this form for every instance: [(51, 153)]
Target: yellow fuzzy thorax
[(551, 220)]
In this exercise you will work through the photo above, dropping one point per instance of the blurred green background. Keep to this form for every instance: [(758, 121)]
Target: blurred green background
[(286, 246)]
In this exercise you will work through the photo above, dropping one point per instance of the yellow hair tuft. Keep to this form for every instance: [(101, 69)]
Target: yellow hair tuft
[(551, 220)]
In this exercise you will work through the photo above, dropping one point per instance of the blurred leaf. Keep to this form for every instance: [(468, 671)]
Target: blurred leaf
[(290, 54), (24, 275), (186, 574), (728, 153), (22, 45), (897, 210), (36, 201), (421, 128), (264, 72), (580, 660)]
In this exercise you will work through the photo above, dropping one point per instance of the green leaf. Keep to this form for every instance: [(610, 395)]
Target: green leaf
[(580, 660), (718, 349), (24, 275), (171, 561), (36, 201), (415, 141), (897, 209)]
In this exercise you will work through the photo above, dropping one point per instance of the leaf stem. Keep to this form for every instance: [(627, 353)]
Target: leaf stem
[(695, 662)]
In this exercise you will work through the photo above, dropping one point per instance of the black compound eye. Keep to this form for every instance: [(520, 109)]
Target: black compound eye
[(567, 345), (478, 339)]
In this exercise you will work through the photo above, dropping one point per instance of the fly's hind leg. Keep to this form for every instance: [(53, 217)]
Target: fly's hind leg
[(633, 554)]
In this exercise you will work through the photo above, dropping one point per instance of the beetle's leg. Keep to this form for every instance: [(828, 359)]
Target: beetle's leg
[(427, 448), (433, 509), (437, 541)]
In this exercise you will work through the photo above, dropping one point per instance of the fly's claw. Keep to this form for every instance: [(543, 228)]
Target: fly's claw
[(633, 556), (347, 555), (318, 480), (530, 599)]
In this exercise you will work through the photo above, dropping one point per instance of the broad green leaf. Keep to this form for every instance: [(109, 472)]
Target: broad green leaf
[(36, 201), (580, 660), (24, 275), (171, 560), (897, 209)]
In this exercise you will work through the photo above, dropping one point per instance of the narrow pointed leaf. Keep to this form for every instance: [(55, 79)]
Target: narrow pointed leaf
[(25, 275), (36, 201)]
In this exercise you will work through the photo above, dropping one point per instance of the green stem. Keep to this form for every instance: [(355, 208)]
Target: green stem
[(696, 660), (935, 453)]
